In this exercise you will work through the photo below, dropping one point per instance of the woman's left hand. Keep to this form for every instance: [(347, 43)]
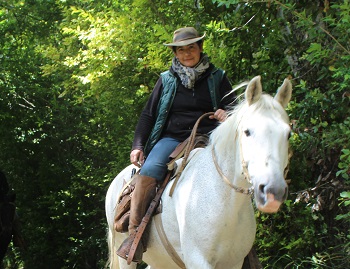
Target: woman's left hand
[(220, 115)]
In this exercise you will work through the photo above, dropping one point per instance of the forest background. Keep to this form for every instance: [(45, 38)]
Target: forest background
[(75, 75)]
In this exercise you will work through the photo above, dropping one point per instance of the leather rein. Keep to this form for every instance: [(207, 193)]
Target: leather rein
[(247, 191), (189, 147)]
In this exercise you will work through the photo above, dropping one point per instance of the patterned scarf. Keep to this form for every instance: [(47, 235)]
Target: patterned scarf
[(189, 75)]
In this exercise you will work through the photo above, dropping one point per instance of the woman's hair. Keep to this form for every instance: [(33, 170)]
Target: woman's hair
[(199, 42)]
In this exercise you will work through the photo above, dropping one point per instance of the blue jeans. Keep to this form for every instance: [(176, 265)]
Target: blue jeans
[(155, 164)]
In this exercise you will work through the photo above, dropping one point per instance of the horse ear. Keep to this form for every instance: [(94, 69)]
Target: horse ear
[(254, 90), (284, 93)]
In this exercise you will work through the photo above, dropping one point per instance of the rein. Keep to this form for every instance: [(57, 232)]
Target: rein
[(188, 149), (247, 191)]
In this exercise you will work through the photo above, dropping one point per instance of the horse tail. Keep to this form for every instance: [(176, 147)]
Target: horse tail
[(113, 262)]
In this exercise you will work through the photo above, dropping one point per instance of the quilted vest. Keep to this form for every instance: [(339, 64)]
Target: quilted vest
[(170, 84)]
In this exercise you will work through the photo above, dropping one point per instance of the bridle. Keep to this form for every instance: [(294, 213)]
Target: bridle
[(247, 191)]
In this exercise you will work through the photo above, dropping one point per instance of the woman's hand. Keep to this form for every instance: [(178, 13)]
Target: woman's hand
[(137, 157), (220, 115)]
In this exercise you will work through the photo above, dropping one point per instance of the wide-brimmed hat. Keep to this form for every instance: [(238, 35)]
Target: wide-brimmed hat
[(185, 36)]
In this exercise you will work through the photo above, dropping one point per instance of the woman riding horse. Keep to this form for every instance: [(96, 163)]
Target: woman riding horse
[(192, 87)]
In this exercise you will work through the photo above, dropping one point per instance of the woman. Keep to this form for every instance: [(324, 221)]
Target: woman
[(192, 87)]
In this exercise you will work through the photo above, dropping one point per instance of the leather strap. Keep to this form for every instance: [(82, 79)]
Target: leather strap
[(177, 154), (188, 149), (167, 245), (146, 219)]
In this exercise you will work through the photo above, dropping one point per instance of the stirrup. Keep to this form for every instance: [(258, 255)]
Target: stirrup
[(124, 250)]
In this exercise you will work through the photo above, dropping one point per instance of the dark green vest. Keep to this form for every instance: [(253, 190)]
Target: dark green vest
[(170, 84)]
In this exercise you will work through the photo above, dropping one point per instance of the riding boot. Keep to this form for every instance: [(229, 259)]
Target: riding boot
[(145, 190)]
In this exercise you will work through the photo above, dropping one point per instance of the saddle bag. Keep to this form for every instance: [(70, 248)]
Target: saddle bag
[(121, 219)]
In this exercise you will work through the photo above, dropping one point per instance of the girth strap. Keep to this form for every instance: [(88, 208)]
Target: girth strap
[(167, 245)]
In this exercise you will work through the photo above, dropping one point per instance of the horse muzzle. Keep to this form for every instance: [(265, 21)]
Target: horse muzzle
[(269, 198)]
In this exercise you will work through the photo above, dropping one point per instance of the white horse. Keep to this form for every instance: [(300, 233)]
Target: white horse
[(209, 220)]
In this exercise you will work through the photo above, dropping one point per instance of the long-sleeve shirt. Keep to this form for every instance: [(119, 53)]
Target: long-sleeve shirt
[(187, 107)]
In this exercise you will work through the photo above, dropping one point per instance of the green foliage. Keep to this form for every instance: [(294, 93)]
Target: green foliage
[(345, 199), (76, 74), (227, 3), (309, 44), (293, 232)]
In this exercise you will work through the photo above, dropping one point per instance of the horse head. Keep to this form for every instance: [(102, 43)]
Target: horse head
[(264, 145)]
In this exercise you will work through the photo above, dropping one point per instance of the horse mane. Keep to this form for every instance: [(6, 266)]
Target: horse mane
[(228, 131)]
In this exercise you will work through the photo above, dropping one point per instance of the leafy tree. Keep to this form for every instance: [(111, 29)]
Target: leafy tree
[(75, 75), (312, 39)]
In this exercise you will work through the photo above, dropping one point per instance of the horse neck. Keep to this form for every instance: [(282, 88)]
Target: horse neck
[(225, 140), (228, 158)]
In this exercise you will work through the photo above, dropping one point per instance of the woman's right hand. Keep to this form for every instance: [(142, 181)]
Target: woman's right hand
[(137, 157)]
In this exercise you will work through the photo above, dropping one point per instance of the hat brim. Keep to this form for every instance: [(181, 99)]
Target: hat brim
[(184, 42)]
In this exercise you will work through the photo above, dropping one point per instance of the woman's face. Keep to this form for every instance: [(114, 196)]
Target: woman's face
[(189, 55)]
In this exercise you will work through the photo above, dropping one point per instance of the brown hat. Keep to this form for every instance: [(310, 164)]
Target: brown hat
[(185, 36)]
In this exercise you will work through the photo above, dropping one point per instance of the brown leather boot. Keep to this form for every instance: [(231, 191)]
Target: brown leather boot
[(145, 190)]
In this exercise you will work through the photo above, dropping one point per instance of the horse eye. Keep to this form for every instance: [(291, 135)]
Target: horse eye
[(247, 133)]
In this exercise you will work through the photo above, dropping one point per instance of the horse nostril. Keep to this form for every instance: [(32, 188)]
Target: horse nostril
[(262, 188)]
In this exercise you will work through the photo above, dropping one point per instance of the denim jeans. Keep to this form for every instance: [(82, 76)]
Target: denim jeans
[(155, 164)]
